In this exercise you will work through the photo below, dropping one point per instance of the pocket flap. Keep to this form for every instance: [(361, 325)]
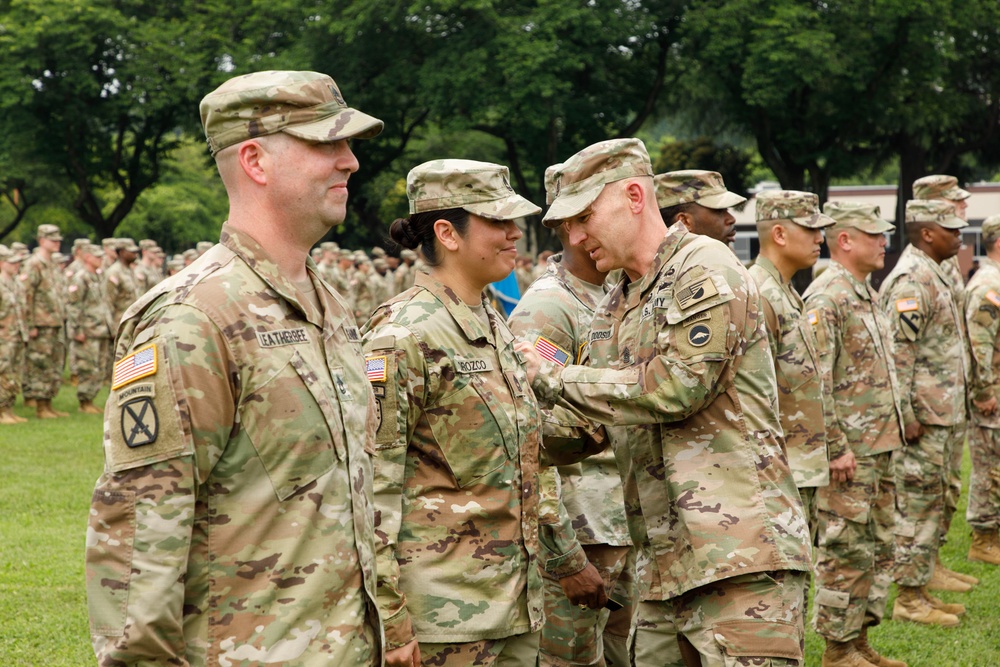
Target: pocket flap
[(773, 639)]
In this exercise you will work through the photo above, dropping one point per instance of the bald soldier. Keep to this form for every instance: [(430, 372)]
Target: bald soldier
[(700, 201), (789, 226), (238, 530), (681, 371), (982, 317), (930, 353)]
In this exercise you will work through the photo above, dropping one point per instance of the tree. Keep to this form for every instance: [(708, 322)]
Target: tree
[(703, 153)]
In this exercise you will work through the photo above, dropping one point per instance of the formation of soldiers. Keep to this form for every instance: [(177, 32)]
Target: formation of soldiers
[(58, 309)]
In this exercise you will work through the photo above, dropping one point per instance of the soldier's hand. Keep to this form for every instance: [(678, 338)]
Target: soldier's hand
[(913, 431), (585, 588), (986, 407), (407, 655), (842, 468), (532, 359), (80, 338), (33, 333)]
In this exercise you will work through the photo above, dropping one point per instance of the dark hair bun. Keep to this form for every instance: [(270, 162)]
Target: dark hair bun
[(401, 231)]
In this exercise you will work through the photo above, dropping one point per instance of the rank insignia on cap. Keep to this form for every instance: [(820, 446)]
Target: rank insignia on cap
[(549, 350), (699, 335), (993, 298), (906, 305), (375, 368), (139, 364), (140, 423), (813, 317), (696, 291)]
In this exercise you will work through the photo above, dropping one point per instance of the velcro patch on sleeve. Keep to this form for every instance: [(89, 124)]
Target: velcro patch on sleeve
[(141, 363), (812, 317), (993, 298), (375, 367), (907, 305), (549, 350), (695, 291)]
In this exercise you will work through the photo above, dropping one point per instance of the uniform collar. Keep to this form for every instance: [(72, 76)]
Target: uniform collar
[(582, 290), (668, 246), (922, 257), (786, 286), (470, 324), (863, 289)]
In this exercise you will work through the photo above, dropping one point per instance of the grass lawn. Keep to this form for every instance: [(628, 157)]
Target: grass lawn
[(49, 470)]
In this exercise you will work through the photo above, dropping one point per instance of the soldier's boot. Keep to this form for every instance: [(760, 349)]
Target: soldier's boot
[(17, 417), (844, 654), (88, 408), (940, 581), (941, 605), (873, 656), (961, 576), (910, 605), (985, 547), (30, 403), (59, 413), (43, 408), (74, 379), (7, 417)]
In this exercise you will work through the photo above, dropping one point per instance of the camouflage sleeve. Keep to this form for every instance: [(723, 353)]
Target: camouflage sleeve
[(772, 326), (555, 529), (75, 294), (906, 305), (400, 396), (32, 279), (982, 317), (161, 441), (824, 316)]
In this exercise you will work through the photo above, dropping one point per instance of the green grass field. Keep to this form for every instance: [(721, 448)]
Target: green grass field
[(49, 470)]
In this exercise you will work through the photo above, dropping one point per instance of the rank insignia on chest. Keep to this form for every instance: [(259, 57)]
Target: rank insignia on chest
[(549, 350), (993, 298), (139, 364), (375, 368)]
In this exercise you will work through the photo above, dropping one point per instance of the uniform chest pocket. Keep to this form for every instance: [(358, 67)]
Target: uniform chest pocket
[(286, 419), (796, 361), (472, 430)]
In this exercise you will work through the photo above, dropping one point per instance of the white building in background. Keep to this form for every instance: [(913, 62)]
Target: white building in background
[(984, 202)]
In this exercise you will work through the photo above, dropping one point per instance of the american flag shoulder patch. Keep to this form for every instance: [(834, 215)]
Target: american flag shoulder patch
[(906, 305), (813, 317), (993, 298), (551, 351), (375, 368), (139, 364)]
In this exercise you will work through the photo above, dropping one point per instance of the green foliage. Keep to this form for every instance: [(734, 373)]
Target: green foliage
[(702, 153)]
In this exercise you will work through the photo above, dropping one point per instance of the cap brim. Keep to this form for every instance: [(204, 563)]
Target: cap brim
[(509, 208), (816, 221), (953, 222), (956, 194), (722, 200), (878, 226), (346, 124), (568, 206)]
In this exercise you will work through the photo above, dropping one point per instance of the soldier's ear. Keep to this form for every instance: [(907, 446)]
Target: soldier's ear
[(446, 234)]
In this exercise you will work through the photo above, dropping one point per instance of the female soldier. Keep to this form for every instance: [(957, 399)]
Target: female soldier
[(456, 471)]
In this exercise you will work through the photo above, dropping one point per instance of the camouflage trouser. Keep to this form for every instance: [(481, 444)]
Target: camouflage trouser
[(854, 549), (953, 480), (922, 487), (515, 651), (752, 619), (11, 365), (983, 512), (91, 358), (46, 356), (582, 636), (808, 496)]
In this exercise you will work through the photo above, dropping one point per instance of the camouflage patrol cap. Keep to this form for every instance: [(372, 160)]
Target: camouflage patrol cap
[(694, 185), (991, 226), (190, 253), (581, 178), (939, 186), (79, 243), (50, 232), (58, 257), (92, 249), (481, 188), (345, 253), (802, 208), (552, 183), (329, 246), (10, 255), (146, 244), (378, 252), (307, 105), (406, 253), (108, 242), (939, 212), (380, 263), (203, 246), (126, 244), (866, 217)]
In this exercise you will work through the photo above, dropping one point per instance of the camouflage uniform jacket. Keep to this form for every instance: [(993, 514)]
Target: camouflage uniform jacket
[(456, 474), (554, 315), (44, 291), (855, 351), (12, 326), (87, 310), (121, 289), (928, 330), (804, 401), (682, 355), (146, 277), (982, 317), (233, 521)]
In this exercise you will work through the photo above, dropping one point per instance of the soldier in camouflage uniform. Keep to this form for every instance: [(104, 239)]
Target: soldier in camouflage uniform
[(364, 291), (582, 526), (88, 327), (233, 522), (854, 516), (788, 226), (405, 273), (931, 359), (147, 275), (945, 188), (456, 476), (698, 199), (982, 317), (45, 317), (110, 253), (679, 354), (120, 284), (13, 336)]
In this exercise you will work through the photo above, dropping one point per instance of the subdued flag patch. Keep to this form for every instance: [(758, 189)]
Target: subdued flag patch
[(551, 351), (139, 364), (375, 368)]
